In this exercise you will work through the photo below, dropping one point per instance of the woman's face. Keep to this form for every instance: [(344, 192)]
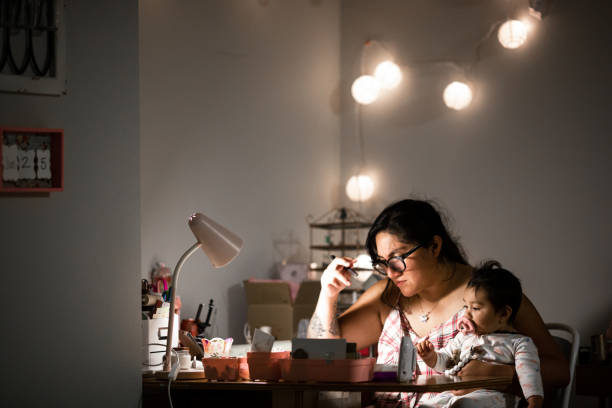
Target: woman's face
[(420, 271)]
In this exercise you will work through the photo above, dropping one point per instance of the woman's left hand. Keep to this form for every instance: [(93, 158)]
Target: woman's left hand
[(480, 368)]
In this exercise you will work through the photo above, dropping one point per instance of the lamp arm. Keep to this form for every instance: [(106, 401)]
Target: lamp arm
[(177, 270)]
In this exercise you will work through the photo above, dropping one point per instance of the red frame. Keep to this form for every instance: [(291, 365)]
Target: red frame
[(57, 160)]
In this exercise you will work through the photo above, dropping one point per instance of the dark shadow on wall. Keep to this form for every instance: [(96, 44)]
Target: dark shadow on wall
[(237, 313)]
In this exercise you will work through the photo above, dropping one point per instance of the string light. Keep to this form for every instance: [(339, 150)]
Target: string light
[(365, 89), (512, 34), (457, 95), (360, 188), (388, 74)]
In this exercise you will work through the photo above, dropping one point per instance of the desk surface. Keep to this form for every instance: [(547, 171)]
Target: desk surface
[(436, 383)]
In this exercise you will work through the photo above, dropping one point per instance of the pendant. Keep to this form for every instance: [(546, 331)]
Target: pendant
[(424, 317)]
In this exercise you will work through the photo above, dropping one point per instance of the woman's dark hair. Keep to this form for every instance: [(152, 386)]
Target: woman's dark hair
[(417, 222), (501, 286)]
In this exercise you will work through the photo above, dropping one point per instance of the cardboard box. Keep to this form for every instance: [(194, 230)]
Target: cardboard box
[(269, 304)]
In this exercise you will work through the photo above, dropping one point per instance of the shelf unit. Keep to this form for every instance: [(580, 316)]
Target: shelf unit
[(353, 228), (340, 220)]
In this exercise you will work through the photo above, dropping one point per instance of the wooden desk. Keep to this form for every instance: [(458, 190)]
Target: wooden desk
[(194, 392)]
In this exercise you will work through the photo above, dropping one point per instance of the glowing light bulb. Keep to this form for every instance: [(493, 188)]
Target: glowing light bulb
[(457, 95), (512, 34), (360, 188), (365, 89), (388, 74), (363, 261)]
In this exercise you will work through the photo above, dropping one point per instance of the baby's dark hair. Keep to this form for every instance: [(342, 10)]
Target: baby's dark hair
[(501, 286)]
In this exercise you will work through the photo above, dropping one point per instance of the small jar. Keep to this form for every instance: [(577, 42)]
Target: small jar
[(184, 358)]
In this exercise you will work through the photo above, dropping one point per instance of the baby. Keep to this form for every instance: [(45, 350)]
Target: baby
[(492, 299)]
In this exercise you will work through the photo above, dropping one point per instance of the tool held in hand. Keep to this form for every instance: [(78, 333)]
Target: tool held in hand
[(351, 270)]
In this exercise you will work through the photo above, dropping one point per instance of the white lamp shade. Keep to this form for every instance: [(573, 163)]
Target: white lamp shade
[(219, 244), (512, 34), (457, 95), (365, 89), (388, 74), (360, 188)]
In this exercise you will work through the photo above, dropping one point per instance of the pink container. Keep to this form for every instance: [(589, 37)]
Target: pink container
[(265, 366), (327, 370), (227, 369)]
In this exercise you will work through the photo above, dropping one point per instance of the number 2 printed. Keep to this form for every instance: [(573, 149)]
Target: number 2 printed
[(26, 164)]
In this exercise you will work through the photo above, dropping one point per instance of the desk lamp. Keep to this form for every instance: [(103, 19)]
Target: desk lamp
[(219, 244)]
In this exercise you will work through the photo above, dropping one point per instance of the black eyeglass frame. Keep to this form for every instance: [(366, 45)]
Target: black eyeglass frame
[(385, 263)]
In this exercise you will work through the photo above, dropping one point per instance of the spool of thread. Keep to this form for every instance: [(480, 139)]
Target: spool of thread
[(190, 326), (599, 347), (150, 300)]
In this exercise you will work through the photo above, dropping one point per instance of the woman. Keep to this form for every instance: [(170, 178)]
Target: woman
[(422, 296)]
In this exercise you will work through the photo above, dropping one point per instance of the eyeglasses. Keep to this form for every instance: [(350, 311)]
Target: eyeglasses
[(396, 263)]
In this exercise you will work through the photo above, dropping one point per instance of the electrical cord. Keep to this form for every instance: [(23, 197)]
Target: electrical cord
[(467, 68), (158, 364), (174, 368), (152, 365), (169, 396)]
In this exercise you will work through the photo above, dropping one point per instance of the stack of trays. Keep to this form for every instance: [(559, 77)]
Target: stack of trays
[(277, 366), (225, 369), (347, 370), (266, 366)]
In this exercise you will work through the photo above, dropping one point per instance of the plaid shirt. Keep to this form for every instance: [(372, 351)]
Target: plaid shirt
[(396, 326)]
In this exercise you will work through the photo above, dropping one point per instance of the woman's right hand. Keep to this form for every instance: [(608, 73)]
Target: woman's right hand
[(336, 277)]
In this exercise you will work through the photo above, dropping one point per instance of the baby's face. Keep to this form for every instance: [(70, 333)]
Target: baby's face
[(480, 310)]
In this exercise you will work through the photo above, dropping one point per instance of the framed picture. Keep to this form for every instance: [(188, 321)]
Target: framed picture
[(32, 160), (32, 55)]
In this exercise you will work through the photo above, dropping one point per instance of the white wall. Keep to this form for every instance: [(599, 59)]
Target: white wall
[(71, 260), (239, 120), (524, 172)]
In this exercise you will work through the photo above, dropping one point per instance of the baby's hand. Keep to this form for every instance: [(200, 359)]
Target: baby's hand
[(535, 401), (427, 352)]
